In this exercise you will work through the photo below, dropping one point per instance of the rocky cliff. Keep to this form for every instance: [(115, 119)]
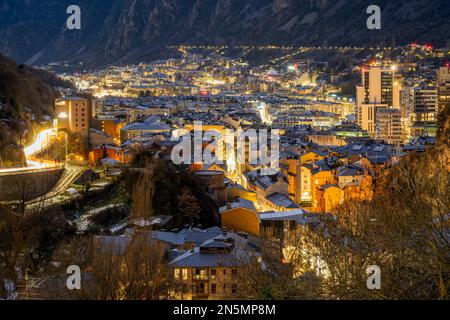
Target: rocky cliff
[(134, 30)]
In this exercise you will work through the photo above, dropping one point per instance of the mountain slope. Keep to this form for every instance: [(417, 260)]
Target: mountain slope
[(26, 97), (133, 30)]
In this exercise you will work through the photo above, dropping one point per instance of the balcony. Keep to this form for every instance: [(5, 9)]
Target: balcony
[(200, 277)]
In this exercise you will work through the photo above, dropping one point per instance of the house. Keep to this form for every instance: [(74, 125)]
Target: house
[(282, 228), (213, 269), (109, 125), (329, 196), (313, 156), (279, 202), (291, 167), (138, 129), (321, 175), (203, 263), (240, 216), (265, 185), (235, 190), (349, 175), (98, 138), (107, 152)]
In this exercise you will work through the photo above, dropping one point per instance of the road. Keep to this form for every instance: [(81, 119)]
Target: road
[(70, 175), (42, 141)]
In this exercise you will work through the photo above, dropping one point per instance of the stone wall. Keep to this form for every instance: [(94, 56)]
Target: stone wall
[(29, 185)]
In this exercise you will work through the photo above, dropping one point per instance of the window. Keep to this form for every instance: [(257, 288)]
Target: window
[(224, 271), (185, 274), (213, 288), (199, 288), (200, 274), (234, 272), (177, 273), (213, 273), (234, 288)]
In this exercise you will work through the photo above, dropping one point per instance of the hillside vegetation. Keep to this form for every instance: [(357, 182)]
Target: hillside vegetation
[(27, 98)]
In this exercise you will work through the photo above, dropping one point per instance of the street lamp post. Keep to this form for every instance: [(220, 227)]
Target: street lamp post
[(66, 146)]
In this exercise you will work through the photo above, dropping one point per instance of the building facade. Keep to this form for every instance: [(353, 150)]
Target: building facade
[(74, 114)]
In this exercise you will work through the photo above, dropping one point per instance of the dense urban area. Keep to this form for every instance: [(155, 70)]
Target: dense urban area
[(358, 177)]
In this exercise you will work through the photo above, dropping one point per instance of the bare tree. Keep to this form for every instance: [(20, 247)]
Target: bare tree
[(113, 271), (188, 205)]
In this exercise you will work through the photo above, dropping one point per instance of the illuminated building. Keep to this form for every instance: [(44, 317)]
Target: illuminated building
[(425, 111), (109, 125), (407, 106), (389, 126), (240, 216), (443, 86), (74, 114), (380, 89)]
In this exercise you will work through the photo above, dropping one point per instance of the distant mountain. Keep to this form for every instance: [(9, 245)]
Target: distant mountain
[(34, 31), (26, 97)]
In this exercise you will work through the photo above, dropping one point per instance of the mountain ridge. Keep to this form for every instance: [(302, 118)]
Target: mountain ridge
[(139, 30)]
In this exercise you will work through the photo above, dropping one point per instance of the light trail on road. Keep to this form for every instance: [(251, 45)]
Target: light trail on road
[(41, 142)]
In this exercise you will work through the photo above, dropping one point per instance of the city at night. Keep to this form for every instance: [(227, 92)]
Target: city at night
[(245, 152)]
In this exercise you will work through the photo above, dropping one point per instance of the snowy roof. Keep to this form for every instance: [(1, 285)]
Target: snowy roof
[(281, 200), (238, 203)]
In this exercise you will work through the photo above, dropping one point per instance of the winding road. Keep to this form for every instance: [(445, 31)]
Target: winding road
[(42, 141)]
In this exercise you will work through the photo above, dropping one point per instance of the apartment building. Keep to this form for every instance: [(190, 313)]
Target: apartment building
[(425, 111), (380, 89), (74, 114)]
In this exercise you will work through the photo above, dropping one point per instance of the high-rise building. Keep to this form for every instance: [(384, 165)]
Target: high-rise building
[(443, 86), (380, 89), (425, 111), (380, 85), (407, 108), (74, 114), (389, 126)]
